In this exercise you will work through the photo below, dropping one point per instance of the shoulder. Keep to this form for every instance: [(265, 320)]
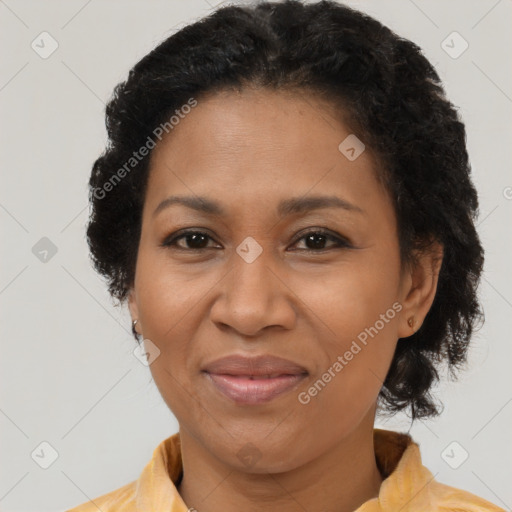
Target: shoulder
[(153, 490), (120, 500), (447, 498), (410, 486)]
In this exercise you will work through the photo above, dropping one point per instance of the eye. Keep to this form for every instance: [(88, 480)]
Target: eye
[(197, 240), (315, 240)]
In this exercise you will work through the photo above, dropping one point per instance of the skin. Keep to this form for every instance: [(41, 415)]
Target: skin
[(249, 151)]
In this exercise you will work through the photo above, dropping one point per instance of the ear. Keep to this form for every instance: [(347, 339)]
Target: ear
[(418, 288), (134, 309)]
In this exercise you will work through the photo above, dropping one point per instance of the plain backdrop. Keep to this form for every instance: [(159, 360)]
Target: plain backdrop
[(69, 378)]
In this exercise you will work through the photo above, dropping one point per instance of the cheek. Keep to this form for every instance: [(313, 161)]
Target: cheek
[(360, 312), (354, 297), (172, 305), (167, 293)]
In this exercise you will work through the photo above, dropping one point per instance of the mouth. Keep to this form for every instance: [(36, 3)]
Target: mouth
[(251, 380), (254, 389)]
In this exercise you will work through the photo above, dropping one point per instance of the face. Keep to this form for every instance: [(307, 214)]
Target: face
[(271, 271)]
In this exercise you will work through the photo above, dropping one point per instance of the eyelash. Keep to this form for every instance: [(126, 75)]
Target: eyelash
[(340, 242)]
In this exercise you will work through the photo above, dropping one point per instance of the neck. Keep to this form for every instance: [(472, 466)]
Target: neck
[(341, 480)]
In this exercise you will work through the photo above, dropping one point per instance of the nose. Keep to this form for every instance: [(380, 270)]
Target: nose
[(252, 297)]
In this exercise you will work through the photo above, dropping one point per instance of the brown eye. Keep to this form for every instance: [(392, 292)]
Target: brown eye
[(316, 241), (193, 240)]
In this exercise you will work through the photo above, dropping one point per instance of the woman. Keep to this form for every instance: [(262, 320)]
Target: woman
[(285, 205)]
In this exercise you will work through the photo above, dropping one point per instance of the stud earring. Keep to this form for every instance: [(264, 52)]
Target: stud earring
[(410, 322), (134, 323)]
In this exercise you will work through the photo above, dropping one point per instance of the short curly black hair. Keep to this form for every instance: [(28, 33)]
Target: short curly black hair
[(396, 102)]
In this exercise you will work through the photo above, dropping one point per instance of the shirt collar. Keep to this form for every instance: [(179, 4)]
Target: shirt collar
[(407, 485)]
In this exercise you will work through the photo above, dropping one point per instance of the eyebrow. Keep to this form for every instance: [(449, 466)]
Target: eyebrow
[(286, 207)]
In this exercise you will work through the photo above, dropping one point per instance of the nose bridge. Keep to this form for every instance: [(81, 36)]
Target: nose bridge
[(252, 288)]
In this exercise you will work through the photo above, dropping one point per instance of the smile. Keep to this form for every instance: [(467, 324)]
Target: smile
[(254, 389)]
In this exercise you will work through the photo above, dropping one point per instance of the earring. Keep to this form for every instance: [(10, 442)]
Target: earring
[(410, 321), (134, 323)]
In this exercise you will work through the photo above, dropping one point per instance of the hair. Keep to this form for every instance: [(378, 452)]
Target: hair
[(397, 105)]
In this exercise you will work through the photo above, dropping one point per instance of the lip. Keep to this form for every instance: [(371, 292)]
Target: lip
[(254, 380), (247, 391), (255, 366)]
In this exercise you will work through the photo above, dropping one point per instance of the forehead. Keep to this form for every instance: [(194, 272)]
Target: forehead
[(255, 121), (253, 145)]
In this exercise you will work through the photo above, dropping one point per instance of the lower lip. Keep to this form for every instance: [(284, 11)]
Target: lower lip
[(253, 391)]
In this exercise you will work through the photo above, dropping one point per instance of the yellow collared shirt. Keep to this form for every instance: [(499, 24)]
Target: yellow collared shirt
[(408, 487)]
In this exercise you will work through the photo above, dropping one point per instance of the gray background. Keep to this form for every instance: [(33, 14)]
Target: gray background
[(68, 374)]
